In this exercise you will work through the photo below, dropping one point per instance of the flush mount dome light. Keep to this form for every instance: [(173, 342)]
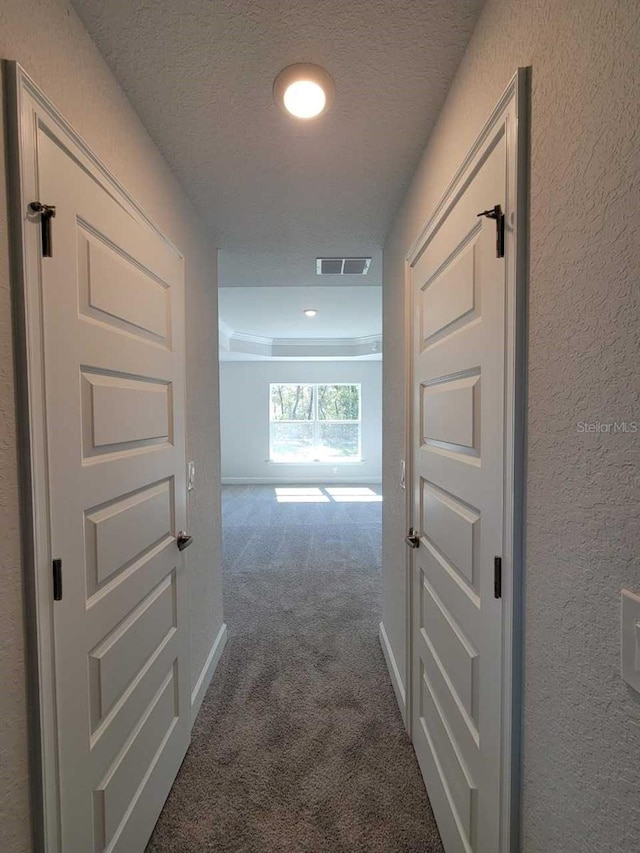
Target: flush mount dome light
[(310, 312), (304, 90)]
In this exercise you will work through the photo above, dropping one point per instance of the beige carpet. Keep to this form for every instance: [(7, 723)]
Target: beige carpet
[(299, 746)]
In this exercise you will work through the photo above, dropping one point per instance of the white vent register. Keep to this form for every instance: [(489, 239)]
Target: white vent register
[(342, 266)]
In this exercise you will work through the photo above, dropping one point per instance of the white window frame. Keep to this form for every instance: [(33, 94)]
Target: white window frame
[(316, 422)]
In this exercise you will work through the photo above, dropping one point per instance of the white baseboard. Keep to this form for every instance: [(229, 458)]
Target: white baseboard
[(204, 679), (394, 672), (303, 481)]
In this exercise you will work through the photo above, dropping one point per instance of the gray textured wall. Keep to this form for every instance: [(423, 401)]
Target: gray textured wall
[(49, 41), (581, 722)]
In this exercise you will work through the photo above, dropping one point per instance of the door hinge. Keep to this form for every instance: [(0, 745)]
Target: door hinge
[(413, 538), (497, 577), (47, 212), (57, 580), (497, 214)]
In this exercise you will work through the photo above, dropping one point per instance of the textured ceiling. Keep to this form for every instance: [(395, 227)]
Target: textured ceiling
[(293, 268), (200, 72)]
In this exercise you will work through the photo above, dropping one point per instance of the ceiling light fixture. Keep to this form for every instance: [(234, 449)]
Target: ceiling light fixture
[(304, 90), (310, 312)]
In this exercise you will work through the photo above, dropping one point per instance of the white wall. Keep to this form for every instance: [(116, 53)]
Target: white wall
[(581, 722), (244, 408), (47, 38)]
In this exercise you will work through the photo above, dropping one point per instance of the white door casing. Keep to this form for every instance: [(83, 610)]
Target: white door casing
[(467, 314), (104, 342)]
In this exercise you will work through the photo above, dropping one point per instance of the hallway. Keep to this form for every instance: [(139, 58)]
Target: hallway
[(299, 746)]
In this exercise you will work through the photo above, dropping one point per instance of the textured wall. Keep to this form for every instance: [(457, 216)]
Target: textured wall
[(50, 42), (244, 406), (14, 800), (581, 722)]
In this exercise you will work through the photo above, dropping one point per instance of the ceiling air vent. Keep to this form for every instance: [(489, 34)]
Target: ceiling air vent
[(342, 266)]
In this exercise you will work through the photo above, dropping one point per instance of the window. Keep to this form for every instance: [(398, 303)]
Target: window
[(314, 423)]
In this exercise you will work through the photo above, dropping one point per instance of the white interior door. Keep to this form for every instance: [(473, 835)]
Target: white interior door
[(113, 320), (459, 299)]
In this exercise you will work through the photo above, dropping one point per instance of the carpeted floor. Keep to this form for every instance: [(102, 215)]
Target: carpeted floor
[(299, 746)]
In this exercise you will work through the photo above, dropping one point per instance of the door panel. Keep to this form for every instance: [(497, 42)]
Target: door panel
[(128, 773), (453, 528), (113, 296), (124, 410), (458, 390), (450, 298), (121, 531), (127, 649), (450, 412), (118, 293)]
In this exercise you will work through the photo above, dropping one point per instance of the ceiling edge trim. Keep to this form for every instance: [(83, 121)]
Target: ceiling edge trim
[(240, 342)]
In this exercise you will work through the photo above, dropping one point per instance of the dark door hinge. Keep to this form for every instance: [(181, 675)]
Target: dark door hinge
[(412, 538), (57, 580), (47, 212), (497, 577), (497, 214)]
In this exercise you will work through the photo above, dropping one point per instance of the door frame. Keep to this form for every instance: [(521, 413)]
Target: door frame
[(28, 110), (511, 118)]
